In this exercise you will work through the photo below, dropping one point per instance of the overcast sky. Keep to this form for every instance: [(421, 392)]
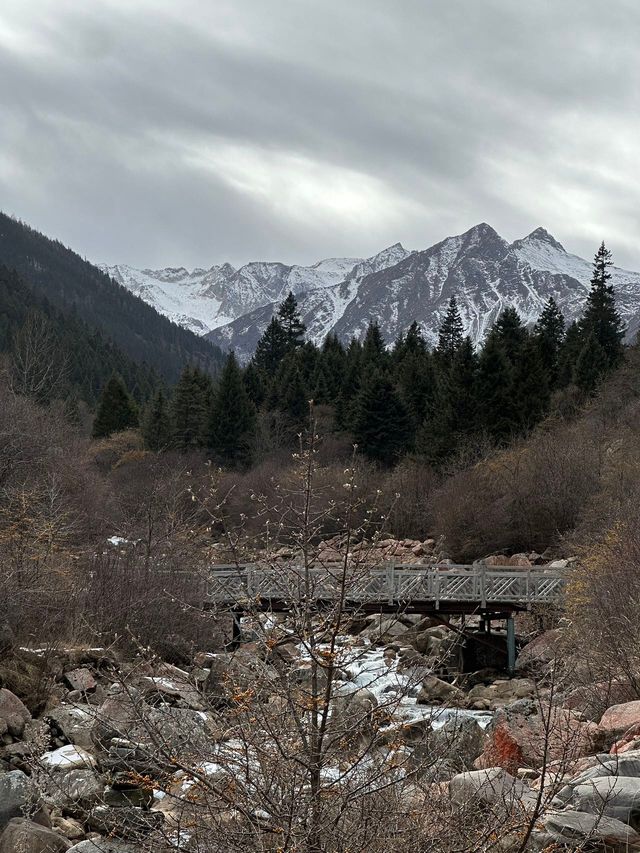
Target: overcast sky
[(190, 132)]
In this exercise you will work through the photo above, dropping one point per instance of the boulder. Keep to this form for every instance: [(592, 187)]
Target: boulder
[(353, 712), (539, 652), (74, 723), (383, 629), (573, 829), (103, 845), (128, 822), (437, 692), (81, 679), (501, 692), (67, 757), (17, 797), (460, 741), (82, 787), (489, 788), (615, 796), (13, 713), (617, 719), (521, 740), (25, 836)]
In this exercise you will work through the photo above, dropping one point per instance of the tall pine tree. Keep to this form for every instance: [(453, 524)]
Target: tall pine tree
[(233, 417), (190, 410), (156, 423), (450, 334), (116, 411), (548, 333), (381, 424), (601, 318), (271, 348), (291, 323)]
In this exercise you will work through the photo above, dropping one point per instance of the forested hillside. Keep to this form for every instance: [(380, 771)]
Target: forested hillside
[(76, 287), (58, 356)]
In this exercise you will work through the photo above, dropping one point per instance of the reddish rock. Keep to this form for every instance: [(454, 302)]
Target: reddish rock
[(520, 561), (496, 560), (516, 741), (81, 679), (618, 719)]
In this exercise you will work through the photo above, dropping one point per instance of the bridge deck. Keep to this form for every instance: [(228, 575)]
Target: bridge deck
[(445, 588)]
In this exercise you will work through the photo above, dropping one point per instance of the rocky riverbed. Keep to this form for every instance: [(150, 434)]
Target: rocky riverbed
[(118, 750)]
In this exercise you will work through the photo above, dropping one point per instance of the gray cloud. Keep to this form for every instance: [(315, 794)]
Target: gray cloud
[(163, 133)]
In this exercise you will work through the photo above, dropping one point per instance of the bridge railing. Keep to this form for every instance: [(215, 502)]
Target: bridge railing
[(388, 584)]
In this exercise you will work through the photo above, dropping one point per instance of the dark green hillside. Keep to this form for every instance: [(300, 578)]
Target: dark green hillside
[(75, 286), (88, 357)]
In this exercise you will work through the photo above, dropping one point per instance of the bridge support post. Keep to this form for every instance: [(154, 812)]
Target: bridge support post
[(236, 629), (511, 645)]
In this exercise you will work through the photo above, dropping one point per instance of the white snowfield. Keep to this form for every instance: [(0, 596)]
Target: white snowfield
[(396, 287)]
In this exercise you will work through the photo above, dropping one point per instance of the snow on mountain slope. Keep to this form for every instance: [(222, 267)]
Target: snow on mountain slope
[(395, 287), (483, 271), (203, 300)]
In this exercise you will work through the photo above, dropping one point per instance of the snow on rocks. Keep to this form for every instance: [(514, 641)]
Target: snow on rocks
[(68, 757)]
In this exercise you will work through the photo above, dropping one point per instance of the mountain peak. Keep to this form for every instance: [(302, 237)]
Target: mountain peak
[(541, 235)]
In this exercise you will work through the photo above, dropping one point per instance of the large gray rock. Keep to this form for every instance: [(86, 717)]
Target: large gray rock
[(573, 829), (18, 796), (437, 692), (491, 787), (64, 789), (461, 740), (128, 822), (13, 713), (25, 836), (181, 730), (614, 796), (74, 723), (102, 845)]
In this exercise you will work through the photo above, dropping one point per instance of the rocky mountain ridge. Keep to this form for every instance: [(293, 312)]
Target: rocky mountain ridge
[(396, 287)]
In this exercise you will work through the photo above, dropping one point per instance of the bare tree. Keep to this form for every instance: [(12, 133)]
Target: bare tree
[(39, 367)]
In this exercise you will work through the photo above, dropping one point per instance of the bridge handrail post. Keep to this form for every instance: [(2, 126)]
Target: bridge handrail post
[(483, 585), (389, 581), (249, 577)]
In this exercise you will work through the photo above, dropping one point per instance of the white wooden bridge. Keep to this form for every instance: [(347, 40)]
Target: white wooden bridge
[(391, 587)]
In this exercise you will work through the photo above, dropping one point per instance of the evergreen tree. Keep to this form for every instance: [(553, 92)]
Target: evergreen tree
[(510, 334), (374, 353), (601, 317), (351, 383), (591, 366), (291, 323), (496, 403), (381, 424), (271, 348), (156, 423), (568, 355), (233, 417), (549, 335), (417, 384), (451, 417), (450, 334), (190, 410), (333, 358), (294, 400), (117, 410), (255, 384), (320, 384), (413, 343), (531, 386)]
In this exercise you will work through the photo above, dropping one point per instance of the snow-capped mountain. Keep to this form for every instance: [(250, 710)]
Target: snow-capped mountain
[(203, 300), (395, 287)]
